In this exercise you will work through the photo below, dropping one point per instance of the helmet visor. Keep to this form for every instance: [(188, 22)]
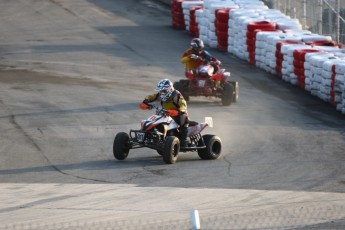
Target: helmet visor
[(163, 91)]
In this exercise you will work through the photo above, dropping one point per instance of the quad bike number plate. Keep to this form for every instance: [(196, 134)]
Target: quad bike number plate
[(140, 136), (201, 83)]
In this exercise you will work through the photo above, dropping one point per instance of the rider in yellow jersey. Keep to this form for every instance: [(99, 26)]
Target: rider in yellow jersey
[(195, 56), (173, 101)]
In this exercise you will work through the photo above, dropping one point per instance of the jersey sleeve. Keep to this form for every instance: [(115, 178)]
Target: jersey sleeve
[(185, 58), (152, 97), (183, 104)]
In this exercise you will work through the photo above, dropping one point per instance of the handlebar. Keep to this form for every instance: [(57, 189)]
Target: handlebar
[(206, 61), (159, 110)]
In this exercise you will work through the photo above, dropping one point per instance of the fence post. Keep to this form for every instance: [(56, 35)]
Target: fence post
[(195, 220), (337, 21), (304, 17), (319, 21)]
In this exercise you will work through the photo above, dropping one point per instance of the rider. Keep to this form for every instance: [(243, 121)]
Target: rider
[(195, 56), (173, 101)]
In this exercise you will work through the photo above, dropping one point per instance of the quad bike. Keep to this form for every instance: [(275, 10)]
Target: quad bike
[(204, 82), (161, 132)]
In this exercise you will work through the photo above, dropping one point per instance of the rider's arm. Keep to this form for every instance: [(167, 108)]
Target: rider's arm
[(185, 57), (151, 98), (209, 57), (183, 104), (146, 102)]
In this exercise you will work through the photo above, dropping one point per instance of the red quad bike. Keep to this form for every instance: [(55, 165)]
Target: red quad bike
[(203, 82), (161, 132)]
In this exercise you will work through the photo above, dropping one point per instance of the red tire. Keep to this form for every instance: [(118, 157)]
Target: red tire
[(279, 44), (298, 64), (222, 26), (222, 15), (264, 25), (299, 72), (300, 54), (222, 35)]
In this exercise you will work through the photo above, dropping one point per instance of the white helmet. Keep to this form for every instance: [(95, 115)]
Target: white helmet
[(165, 89)]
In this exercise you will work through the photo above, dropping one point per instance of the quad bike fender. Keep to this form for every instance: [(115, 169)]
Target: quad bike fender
[(196, 129), (189, 74), (221, 75), (172, 125)]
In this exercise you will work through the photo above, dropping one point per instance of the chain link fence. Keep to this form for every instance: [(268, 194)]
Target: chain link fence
[(324, 17)]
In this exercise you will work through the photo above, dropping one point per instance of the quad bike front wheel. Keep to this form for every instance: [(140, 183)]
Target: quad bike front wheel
[(213, 148), (237, 91), (171, 149), (121, 146), (228, 94)]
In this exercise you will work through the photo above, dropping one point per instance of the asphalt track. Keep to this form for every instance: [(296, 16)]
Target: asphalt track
[(72, 75)]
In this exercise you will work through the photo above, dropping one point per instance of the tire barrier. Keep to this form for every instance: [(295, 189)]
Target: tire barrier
[(298, 63), (177, 15), (222, 27), (193, 25), (189, 7), (252, 29), (279, 55), (272, 41)]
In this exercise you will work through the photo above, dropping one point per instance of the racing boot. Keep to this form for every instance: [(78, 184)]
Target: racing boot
[(183, 137)]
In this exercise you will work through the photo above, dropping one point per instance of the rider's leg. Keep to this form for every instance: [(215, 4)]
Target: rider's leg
[(183, 129)]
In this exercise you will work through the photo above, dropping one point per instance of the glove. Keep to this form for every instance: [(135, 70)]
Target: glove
[(146, 102), (145, 105)]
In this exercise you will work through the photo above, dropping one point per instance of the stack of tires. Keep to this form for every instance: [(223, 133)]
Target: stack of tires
[(177, 15), (222, 27), (287, 64), (334, 70), (252, 29), (339, 87), (264, 50), (238, 24), (209, 35), (186, 6), (193, 24), (319, 87), (280, 56), (299, 65)]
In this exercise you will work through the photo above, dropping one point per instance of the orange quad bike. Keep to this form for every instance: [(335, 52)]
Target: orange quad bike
[(204, 82), (161, 133)]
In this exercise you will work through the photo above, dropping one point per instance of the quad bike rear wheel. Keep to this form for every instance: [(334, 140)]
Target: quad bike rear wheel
[(171, 149), (228, 94), (213, 148), (121, 146)]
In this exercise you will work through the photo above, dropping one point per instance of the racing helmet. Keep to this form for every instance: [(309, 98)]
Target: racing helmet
[(165, 89), (197, 44)]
